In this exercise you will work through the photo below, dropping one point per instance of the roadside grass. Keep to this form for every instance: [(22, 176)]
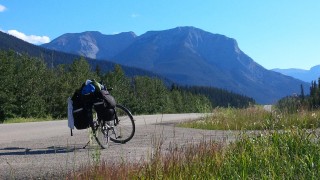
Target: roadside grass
[(255, 118), (291, 154), (288, 147), (24, 120)]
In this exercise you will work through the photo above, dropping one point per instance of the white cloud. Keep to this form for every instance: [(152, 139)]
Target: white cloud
[(2, 8), (29, 38)]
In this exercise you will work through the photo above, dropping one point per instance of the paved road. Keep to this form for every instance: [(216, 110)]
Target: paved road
[(46, 149), (268, 108)]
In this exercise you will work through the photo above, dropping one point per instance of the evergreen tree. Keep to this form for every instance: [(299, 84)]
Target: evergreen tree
[(23, 82), (117, 80), (7, 85), (302, 92)]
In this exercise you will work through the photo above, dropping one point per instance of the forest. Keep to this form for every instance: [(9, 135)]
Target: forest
[(31, 88), (302, 102)]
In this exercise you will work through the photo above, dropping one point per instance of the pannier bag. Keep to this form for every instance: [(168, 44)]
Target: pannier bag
[(109, 100), (81, 115), (104, 113), (105, 107)]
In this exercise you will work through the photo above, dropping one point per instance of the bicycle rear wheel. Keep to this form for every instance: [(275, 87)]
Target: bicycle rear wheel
[(123, 127)]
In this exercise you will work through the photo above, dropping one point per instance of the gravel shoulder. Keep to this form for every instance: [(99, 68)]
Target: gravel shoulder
[(46, 150)]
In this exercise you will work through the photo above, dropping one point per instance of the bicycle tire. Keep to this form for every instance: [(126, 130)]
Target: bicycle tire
[(125, 129), (102, 136)]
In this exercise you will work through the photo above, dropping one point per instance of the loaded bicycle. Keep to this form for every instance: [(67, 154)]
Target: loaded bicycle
[(119, 130), (114, 122)]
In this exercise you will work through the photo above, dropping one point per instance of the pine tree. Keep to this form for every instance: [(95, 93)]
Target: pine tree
[(302, 92)]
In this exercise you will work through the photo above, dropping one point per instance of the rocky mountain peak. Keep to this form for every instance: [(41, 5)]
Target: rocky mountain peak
[(92, 44)]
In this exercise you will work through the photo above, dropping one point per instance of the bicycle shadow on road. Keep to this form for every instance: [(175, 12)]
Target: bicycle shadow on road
[(12, 151)]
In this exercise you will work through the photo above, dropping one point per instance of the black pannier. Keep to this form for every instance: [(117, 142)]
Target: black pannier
[(105, 107), (81, 118), (109, 100), (81, 115)]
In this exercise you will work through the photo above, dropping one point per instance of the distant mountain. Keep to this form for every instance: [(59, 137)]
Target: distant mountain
[(54, 58), (305, 75), (92, 44), (191, 56)]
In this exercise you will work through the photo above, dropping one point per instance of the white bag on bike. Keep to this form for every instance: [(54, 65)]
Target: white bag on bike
[(70, 114)]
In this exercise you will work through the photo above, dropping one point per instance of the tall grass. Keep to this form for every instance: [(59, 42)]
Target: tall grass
[(255, 118), (293, 152), (24, 120)]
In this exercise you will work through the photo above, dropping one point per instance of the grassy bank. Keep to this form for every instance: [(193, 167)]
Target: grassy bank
[(255, 118), (293, 152), (24, 120)]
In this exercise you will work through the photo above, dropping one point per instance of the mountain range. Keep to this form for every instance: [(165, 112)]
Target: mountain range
[(54, 58), (305, 75), (187, 56)]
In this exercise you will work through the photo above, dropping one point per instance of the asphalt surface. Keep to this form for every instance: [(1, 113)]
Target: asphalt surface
[(45, 150)]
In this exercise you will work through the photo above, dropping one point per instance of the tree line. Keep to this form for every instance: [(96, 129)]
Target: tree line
[(301, 101), (314, 100), (31, 88), (221, 97)]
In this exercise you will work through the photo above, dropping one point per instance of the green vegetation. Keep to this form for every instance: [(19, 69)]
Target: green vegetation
[(24, 120), (293, 154), (302, 102), (255, 118), (289, 153), (221, 97), (31, 89)]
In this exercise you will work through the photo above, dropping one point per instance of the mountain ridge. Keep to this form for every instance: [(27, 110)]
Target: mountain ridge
[(305, 75), (191, 56), (92, 44)]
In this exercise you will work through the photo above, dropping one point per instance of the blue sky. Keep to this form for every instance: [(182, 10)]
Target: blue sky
[(275, 33)]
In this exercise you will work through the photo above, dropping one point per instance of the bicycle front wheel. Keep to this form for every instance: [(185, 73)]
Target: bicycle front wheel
[(102, 135), (123, 125)]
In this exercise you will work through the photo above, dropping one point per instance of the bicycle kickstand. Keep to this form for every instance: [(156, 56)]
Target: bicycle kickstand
[(86, 145)]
